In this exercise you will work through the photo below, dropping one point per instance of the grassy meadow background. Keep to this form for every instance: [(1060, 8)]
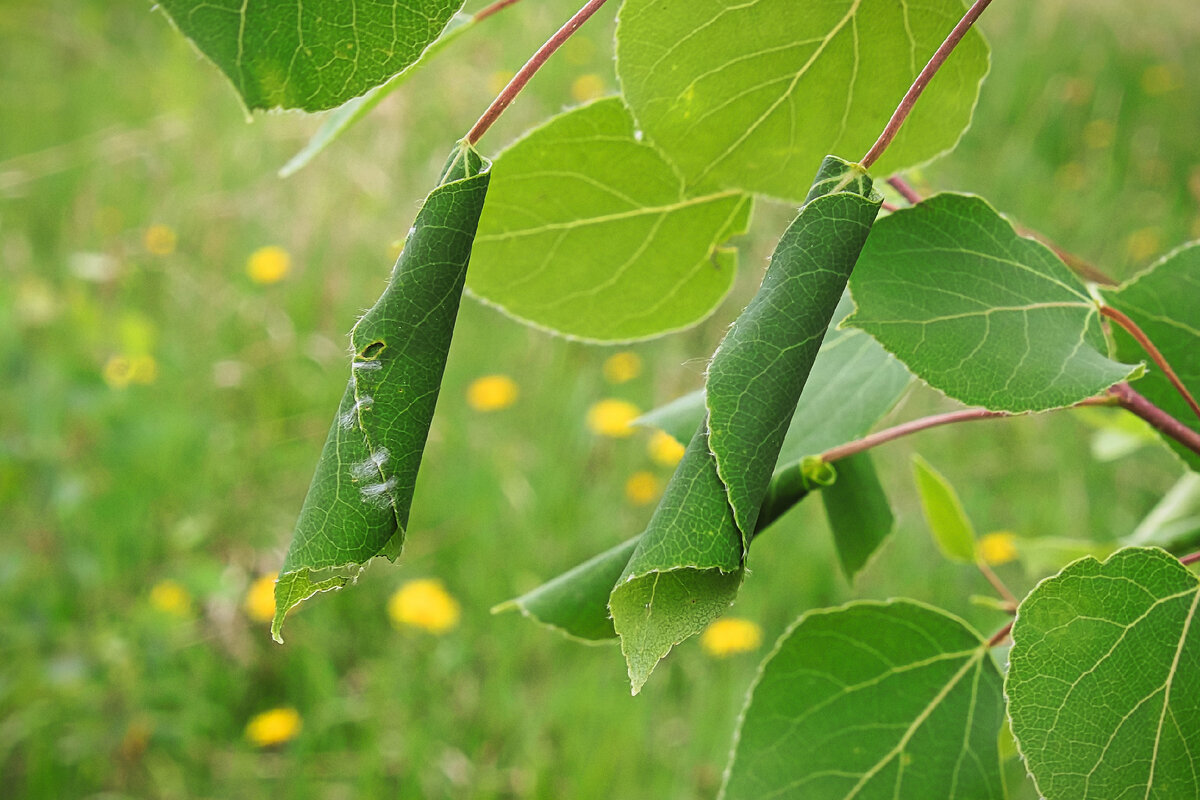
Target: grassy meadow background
[(162, 408)]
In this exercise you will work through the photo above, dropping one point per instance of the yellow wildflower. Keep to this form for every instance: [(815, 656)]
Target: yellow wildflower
[(665, 449), (998, 547), (424, 604), (1159, 79), (121, 371), (492, 393), (1098, 134), (622, 367), (170, 597), (611, 417), (273, 727), (1143, 243), (269, 264), (642, 488), (143, 370), (160, 240), (729, 636), (260, 599), (586, 87)]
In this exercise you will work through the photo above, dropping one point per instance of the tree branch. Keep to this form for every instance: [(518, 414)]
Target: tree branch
[(1163, 422), (1156, 356), (510, 92)]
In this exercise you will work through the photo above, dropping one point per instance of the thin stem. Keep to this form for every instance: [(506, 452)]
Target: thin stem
[(510, 92), (905, 189), (918, 86), (1000, 635), (916, 425), (890, 206), (486, 12), (1131, 401), (996, 583), (1190, 559), (1143, 340)]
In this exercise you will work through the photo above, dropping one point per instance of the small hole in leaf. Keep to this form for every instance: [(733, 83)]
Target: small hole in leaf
[(372, 351)]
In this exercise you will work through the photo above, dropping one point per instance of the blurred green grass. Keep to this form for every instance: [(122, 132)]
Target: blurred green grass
[(110, 124)]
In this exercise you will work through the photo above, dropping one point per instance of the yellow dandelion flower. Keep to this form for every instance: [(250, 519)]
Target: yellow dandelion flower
[(424, 604), (642, 488), (1143, 243), (1159, 79), (611, 417), (665, 449), (1098, 134), (273, 727), (586, 87), (118, 372), (260, 599), (143, 370), (171, 598), (998, 547), (492, 393), (159, 240), (729, 636), (269, 264), (622, 367)]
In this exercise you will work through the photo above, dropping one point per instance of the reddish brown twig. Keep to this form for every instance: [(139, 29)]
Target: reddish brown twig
[(514, 87), (910, 98), (486, 12), (1000, 635), (1160, 420), (1156, 356)]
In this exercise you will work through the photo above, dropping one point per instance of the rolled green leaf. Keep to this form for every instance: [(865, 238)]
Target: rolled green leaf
[(358, 503), (689, 563)]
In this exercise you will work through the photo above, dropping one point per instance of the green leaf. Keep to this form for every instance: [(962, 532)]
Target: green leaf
[(1174, 523), (854, 382), (758, 372), (688, 565), (948, 522), (1164, 301), (358, 503), (346, 116), (858, 511), (750, 96), (313, 55), (872, 700), (576, 602), (686, 569), (979, 312), (589, 232), (1104, 679)]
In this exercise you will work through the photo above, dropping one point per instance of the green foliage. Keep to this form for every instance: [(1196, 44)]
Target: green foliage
[(872, 700), (313, 55), (1104, 679), (696, 540), (589, 232), (979, 312), (853, 383), (948, 522), (759, 370), (751, 96), (358, 503), (1163, 302), (860, 516), (350, 113)]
